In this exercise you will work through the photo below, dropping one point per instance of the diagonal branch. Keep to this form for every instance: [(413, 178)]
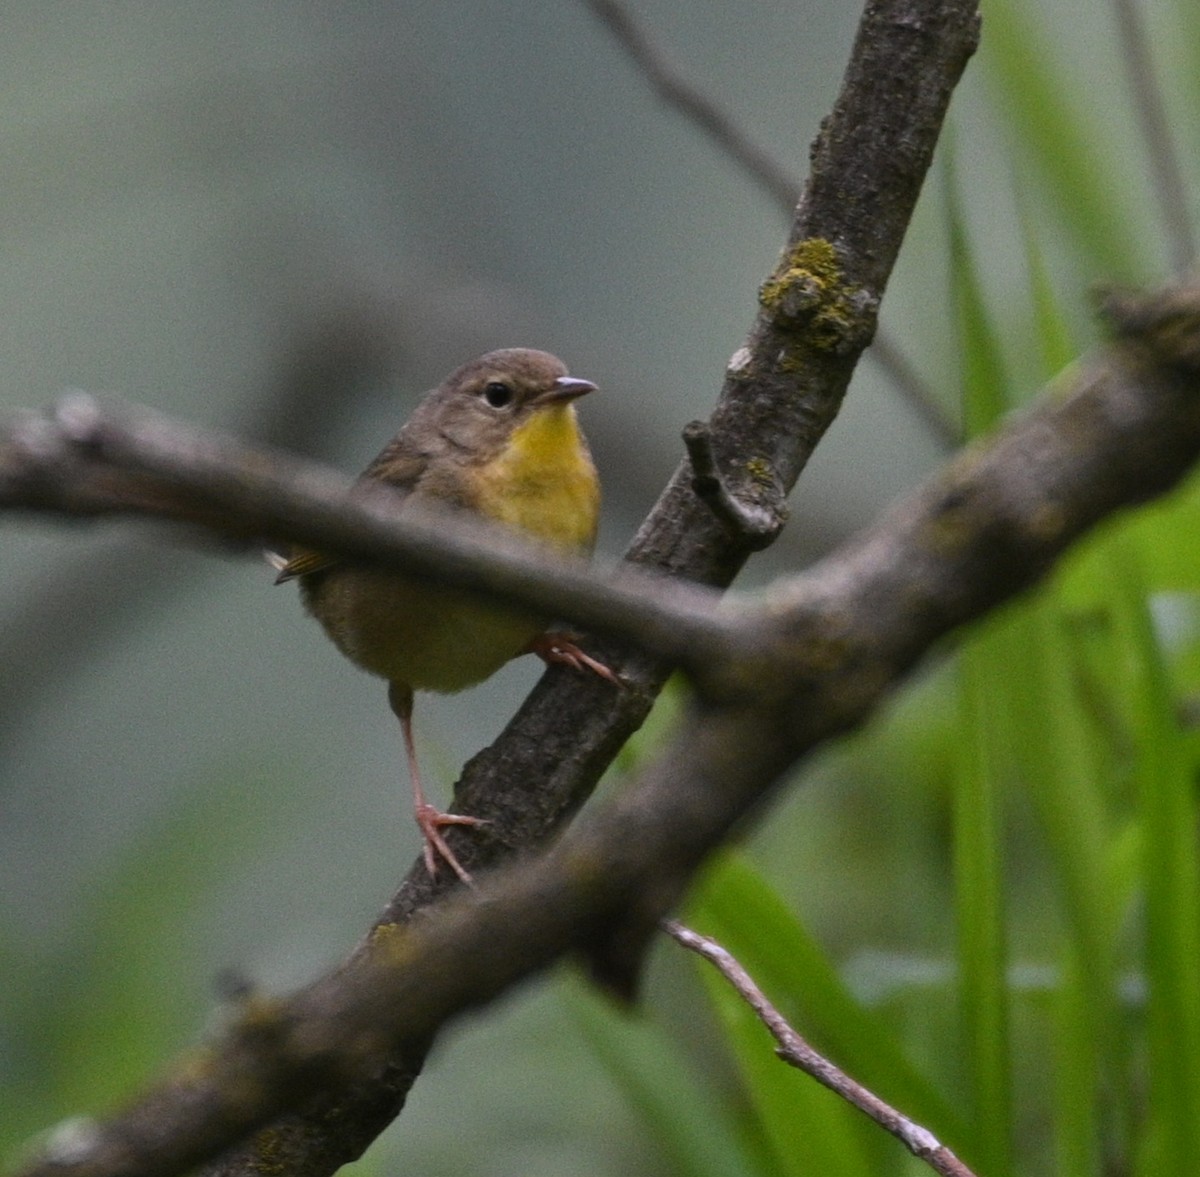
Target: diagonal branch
[(758, 163), (774, 179), (983, 529)]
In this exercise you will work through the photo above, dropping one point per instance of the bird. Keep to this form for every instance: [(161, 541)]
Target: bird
[(498, 438)]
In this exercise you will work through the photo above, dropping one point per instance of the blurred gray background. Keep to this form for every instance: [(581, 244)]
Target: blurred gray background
[(288, 220)]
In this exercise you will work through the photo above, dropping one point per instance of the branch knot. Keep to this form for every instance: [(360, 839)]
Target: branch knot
[(757, 523), (1166, 321)]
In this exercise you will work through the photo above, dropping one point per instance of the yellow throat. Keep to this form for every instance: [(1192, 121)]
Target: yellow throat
[(543, 481)]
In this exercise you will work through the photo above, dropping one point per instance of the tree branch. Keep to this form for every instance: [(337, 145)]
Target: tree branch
[(720, 127), (781, 392), (670, 85), (91, 459), (983, 529)]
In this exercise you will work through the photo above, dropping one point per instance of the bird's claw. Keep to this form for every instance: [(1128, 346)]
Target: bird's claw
[(430, 821), (560, 649)]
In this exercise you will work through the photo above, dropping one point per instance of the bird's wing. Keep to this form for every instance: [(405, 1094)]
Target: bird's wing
[(399, 465), (300, 562)]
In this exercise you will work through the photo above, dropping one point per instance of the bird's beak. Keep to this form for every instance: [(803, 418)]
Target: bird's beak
[(567, 388)]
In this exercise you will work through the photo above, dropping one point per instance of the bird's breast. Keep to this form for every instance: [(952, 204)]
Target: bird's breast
[(427, 636), (543, 482)]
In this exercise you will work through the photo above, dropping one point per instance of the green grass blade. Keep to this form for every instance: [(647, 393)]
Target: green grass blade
[(1087, 184), (984, 385), (1167, 537), (1078, 1131), (1171, 872), (735, 906), (977, 818), (1070, 780), (979, 903), (805, 1127), (689, 1119)]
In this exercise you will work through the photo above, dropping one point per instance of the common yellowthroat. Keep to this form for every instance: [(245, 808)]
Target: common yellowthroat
[(498, 437)]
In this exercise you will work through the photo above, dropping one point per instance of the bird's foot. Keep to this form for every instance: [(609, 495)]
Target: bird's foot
[(556, 648), (430, 821)]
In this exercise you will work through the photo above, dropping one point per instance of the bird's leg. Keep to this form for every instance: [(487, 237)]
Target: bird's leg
[(429, 818), (557, 648)]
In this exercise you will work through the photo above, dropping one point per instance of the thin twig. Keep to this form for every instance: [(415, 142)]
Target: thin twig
[(911, 385), (1169, 185), (796, 1050), (677, 91)]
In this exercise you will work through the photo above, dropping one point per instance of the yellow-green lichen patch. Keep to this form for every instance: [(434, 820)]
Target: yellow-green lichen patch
[(391, 944), (269, 1157), (259, 1012), (760, 472), (807, 292), (765, 489)]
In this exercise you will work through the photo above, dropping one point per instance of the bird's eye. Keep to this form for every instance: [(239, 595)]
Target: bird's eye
[(497, 394)]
